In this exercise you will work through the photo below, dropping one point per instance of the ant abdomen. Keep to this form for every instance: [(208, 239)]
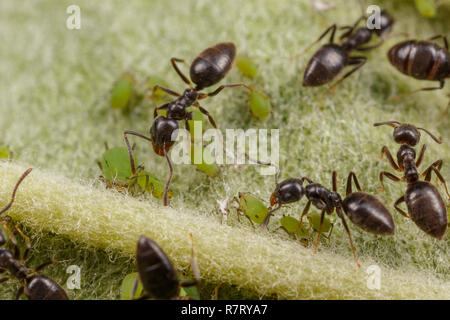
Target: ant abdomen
[(368, 213), (212, 64)]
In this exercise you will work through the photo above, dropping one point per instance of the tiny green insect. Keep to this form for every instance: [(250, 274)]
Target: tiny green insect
[(259, 105), (314, 222), (122, 92), (247, 67), (208, 164), (126, 289), (426, 8), (290, 225), (5, 152), (252, 207), (117, 173)]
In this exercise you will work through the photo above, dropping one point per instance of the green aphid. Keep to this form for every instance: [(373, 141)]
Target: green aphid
[(253, 208), (152, 81), (5, 153), (208, 165), (426, 8), (152, 184), (126, 289), (290, 225), (122, 92), (259, 105), (117, 173), (196, 116), (247, 67), (116, 166), (314, 222)]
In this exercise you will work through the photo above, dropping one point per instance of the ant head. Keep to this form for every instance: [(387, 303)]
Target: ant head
[(287, 191), (190, 95), (405, 133), (386, 23), (161, 133)]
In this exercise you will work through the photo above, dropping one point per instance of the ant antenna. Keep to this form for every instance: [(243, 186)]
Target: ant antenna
[(438, 140), (15, 190), (390, 123)]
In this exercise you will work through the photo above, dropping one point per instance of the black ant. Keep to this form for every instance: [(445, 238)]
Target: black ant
[(423, 60), (425, 205), (207, 69), (35, 287), (332, 58), (363, 209), (156, 272)]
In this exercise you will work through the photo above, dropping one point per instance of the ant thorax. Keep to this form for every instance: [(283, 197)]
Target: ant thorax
[(406, 159)]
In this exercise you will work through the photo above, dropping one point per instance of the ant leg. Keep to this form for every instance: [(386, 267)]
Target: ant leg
[(130, 152), (27, 243), (331, 28), (398, 97), (13, 196), (390, 176), (403, 213), (206, 113), (438, 174), (182, 76), (13, 239), (440, 36), (5, 279), (166, 188), (421, 154), (340, 215), (307, 179), (349, 183), (351, 28), (20, 291), (322, 216), (267, 219), (215, 296), (305, 212), (161, 107), (45, 264), (334, 181), (359, 61), (166, 90), (217, 91), (368, 48), (385, 151)]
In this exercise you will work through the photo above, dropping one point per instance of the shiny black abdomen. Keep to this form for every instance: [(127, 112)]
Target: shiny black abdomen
[(158, 276), (426, 208), (325, 65), (43, 288), (421, 59), (368, 213), (212, 64)]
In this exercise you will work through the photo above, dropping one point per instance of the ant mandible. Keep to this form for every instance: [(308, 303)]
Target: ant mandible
[(425, 205), (207, 69)]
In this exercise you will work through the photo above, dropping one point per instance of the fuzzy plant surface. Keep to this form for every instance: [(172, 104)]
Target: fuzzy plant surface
[(55, 116)]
